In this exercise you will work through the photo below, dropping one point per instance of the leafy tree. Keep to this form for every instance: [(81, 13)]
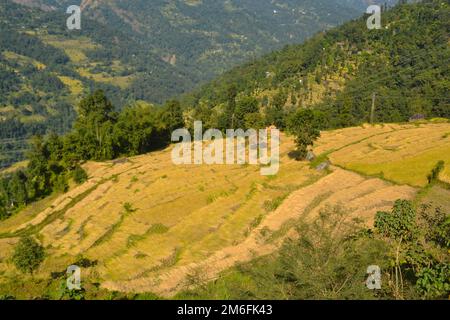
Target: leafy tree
[(3, 212), (17, 189), (275, 114), (28, 255), (38, 168), (172, 117), (398, 224), (254, 121), (304, 126), (94, 127), (418, 246), (135, 131), (79, 175), (244, 106)]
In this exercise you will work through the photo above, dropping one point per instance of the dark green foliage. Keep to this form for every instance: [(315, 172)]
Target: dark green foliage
[(79, 175), (398, 224), (244, 107), (434, 282), (28, 255), (305, 127), (17, 189), (405, 64), (172, 117), (94, 127), (4, 214), (435, 225), (419, 248)]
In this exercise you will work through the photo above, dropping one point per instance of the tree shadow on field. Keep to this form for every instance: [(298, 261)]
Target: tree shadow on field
[(295, 154)]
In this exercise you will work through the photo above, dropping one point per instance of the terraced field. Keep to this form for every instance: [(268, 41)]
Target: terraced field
[(150, 224), (404, 154)]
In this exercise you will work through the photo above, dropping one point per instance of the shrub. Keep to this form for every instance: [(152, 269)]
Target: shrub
[(79, 175), (434, 282), (28, 255), (398, 224)]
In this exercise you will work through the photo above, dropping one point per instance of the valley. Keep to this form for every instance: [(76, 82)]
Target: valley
[(89, 121)]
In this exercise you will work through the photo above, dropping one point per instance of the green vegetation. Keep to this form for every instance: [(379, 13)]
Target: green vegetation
[(79, 175), (28, 255), (304, 125), (434, 175), (329, 259), (337, 72)]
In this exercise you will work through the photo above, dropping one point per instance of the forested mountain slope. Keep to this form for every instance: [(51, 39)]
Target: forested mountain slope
[(208, 37), (45, 69), (405, 64)]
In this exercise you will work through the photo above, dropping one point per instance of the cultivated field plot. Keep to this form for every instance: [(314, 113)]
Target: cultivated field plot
[(404, 154), (150, 224)]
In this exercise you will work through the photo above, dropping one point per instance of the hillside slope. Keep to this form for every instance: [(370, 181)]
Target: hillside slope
[(46, 69), (211, 36), (148, 224), (404, 64)]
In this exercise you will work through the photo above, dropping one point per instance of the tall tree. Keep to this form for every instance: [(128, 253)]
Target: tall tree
[(305, 126), (28, 255)]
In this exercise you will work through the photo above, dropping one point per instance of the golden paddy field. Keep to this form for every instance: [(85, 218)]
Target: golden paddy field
[(150, 224)]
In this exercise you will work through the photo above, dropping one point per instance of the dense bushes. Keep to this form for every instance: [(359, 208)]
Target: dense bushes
[(28, 255)]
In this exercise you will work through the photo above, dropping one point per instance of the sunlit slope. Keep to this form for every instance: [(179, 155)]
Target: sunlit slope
[(404, 154), (173, 208), (150, 224)]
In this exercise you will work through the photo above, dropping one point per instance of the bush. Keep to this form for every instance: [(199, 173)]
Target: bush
[(304, 125), (79, 175), (28, 255), (400, 223), (434, 282)]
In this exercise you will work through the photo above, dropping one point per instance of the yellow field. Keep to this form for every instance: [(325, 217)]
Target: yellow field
[(122, 82), (404, 154), (149, 224), (76, 50), (75, 86), (23, 60)]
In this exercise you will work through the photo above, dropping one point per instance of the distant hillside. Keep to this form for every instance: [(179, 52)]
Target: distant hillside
[(133, 51), (46, 69), (208, 37), (405, 64)]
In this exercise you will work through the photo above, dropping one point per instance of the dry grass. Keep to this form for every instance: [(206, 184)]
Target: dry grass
[(75, 86), (404, 154), (211, 217)]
